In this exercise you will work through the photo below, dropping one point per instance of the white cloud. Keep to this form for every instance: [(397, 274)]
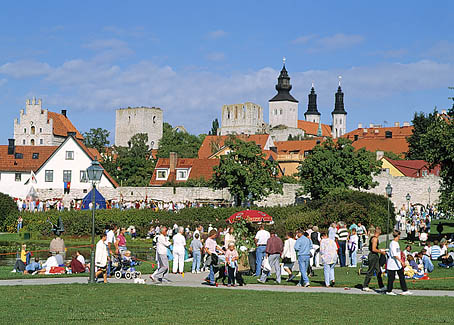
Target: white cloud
[(217, 34), (24, 69), (441, 50), (215, 56), (109, 49), (304, 39)]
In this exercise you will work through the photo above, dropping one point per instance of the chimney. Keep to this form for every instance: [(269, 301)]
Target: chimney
[(406, 124), (380, 154), (173, 161), (11, 147), (396, 124), (371, 125), (63, 112), (360, 125)]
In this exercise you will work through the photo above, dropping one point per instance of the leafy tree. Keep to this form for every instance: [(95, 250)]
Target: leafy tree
[(246, 172), (184, 144), (214, 127), (97, 138), (132, 165), (9, 209), (438, 149), (421, 123), (392, 155), (334, 165), (289, 179)]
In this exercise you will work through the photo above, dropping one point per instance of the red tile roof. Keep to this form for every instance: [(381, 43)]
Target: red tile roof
[(398, 146), (62, 125), (398, 132), (200, 168), (414, 168), (210, 141), (300, 146), (311, 128), (27, 163)]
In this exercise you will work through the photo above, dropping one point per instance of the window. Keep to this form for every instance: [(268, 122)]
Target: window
[(19, 155), (424, 173), (280, 112), (83, 176), (66, 176), (32, 130), (49, 175), (35, 155), (388, 134), (356, 137), (41, 141), (18, 177), (32, 142), (161, 174), (182, 175), (40, 130), (154, 119), (0, 176), (23, 142), (25, 130), (69, 155)]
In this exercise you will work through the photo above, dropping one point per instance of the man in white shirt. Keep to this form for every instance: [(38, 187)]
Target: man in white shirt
[(101, 258), (261, 238), (179, 245), (394, 265), (161, 255), (50, 262), (198, 231), (111, 243)]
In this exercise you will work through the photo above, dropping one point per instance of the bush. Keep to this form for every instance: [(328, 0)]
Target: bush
[(8, 211), (343, 205)]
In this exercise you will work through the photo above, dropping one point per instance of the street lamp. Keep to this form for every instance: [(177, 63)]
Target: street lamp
[(429, 190), (408, 197), (94, 173), (389, 192)]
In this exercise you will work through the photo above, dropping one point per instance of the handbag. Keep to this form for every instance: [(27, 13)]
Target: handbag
[(266, 264)]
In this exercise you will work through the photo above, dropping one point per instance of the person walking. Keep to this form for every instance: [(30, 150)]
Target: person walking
[(303, 246), (161, 256), (315, 238), (196, 248), (231, 262), (101, 258), (273, 250), (179, 250), (261, 239), (374, 262), (353, 248), (19, 223), (394, 265), (342, 240), (289, 255), (328, 256), (211, 249)]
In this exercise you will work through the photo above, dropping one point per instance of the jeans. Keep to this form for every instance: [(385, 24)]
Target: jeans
[(353, 256), (259, 254), (274, 263), (445, 265), (328, 270), (342, 245), (196, 258), (392, 276), (303, 263), (211, 275), (374, 267)]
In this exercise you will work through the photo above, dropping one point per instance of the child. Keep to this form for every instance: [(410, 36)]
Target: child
[(231, 258), (353, 247), (196, 249)]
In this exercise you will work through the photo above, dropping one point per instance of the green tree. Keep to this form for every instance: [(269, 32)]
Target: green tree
[(9, 209), (333, 165), (421, 123), (392, 155), (438, 145), (131, 166), (246, 172), (184, 144), (214, 127), (97, 138)]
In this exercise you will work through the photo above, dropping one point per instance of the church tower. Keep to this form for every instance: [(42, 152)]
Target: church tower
[(283, 108), (312, 114), (339, 114)]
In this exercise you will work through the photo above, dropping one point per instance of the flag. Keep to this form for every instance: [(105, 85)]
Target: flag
[(33, 177)]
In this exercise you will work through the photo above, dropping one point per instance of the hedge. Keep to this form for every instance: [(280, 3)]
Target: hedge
[(343, 205)]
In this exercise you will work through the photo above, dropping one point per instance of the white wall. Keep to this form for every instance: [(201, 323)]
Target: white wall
[(289, 116), (8, 184)]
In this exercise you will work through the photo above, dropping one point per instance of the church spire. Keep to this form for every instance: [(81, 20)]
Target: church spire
[(283, 87), (312, 103), (339, 102)]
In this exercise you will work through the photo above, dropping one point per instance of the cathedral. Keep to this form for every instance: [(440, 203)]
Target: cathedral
[(283, 116)]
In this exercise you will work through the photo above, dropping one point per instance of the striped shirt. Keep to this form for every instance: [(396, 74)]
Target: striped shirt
[(343, 234), (435, 252)]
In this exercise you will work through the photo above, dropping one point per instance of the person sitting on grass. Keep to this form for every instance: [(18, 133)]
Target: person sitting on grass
[(81, 259), (407, 251), (435, 251), (426, 262), (24, 259), (76, 266), (33, 267), (412, 269), (447, 260), (50, 262)]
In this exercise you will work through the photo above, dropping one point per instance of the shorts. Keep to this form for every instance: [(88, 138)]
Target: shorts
[(289, 265), (103, 269)]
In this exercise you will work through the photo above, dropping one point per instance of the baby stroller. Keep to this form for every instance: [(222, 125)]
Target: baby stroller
[(364, 265), (124, 267)]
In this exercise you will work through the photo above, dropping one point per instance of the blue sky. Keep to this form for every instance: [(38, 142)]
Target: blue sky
[(191, 57)]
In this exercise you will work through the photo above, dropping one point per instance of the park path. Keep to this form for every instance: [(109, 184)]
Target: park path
[(195, 281)]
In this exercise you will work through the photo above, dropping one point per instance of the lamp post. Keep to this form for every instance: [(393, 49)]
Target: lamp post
[(94, 173), (408, 197), (429, 190), (389, 192)]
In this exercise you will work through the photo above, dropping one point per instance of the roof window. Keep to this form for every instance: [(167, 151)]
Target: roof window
[(18, 155), (35, 155)]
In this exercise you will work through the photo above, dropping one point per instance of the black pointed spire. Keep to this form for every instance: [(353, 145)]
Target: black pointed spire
[(283, 88), (312, 103), (339, 103)]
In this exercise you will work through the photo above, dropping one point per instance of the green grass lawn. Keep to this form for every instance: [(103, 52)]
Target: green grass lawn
[(448, 226), (129, 303)]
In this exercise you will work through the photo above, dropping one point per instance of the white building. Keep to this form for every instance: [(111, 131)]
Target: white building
[(39, 127), (54, 167)]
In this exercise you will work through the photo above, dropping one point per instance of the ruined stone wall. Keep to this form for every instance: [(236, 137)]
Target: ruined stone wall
[(244, 118)]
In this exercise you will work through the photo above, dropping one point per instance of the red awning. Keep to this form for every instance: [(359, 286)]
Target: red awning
[(251, 216)]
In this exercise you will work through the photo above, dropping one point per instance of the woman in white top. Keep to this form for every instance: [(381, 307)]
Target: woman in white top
[(394, 265), (179, 245), (289, 255), (229, 238)]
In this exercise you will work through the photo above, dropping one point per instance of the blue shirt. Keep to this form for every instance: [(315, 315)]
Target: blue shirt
[(303, 246), (33, 266)]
